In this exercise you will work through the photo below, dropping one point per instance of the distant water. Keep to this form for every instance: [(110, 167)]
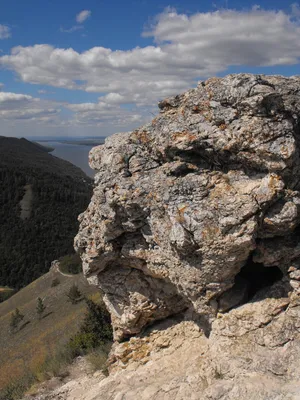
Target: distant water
[(76, 154)]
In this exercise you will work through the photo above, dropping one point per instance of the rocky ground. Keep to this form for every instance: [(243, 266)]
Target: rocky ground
[(252, 353)]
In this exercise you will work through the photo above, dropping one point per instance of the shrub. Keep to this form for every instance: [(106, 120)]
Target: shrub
[(98, 358), (54, 365), (55, 282), (81, 343), (74, 294), (6, 294), (15, 320), (70, 264), (16, 389)]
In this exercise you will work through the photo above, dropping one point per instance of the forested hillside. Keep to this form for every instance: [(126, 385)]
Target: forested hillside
[(60, 192)]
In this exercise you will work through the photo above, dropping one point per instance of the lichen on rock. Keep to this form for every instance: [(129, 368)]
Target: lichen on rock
[(183, 204)]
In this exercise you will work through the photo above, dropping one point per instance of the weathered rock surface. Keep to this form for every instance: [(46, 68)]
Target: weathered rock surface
[(184, 203)]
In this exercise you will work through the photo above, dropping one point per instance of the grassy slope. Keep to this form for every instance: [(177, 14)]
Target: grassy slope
[(28, 348)]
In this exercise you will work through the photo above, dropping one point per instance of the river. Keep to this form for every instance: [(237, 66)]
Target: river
[(75, 153)]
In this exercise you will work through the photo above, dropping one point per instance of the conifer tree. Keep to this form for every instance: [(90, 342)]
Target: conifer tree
[(97, 321), (40, 307), (15, 320), (74, 294)]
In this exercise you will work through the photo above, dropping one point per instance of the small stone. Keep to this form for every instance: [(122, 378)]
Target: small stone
[(295, 275), (295, 284)]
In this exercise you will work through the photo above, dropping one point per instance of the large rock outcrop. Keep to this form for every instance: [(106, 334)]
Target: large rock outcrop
[(198, 211)]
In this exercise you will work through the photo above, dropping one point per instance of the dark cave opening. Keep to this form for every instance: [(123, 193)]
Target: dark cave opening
[(256, 276)]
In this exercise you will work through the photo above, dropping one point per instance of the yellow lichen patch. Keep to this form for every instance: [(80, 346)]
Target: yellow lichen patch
[(212, 81), (143, 137), (210, 232), (268, 221), (205, 105), (152, 196), (222, 127), (220, 189), (274, 182), (284, 151), (136, 351), (210, 94), (183, 136), (180, 213)]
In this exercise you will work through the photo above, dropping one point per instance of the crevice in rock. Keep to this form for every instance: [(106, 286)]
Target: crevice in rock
[(252, 282), (257, 277), (203, 157)]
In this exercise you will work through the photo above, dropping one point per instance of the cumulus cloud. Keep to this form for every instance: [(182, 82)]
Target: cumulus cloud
[(16, 106), (7, 98), (83, 16), (5, 32), (105, 114), (185, 48), (20, 107)]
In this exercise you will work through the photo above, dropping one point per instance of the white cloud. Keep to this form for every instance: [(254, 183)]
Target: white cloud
[(21, 107), (80, 18), (7, 98), (83, 16), (295, 10), (186, 48), (5, 32), (105, 114), (16, 106), (72, 29)]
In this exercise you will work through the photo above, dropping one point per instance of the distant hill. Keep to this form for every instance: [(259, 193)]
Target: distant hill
[(36, 339), (41, 197)]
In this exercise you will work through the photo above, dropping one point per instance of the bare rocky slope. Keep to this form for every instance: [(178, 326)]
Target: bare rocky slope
[(193, 237)]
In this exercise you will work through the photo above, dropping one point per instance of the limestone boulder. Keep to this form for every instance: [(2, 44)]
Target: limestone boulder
[(184, 203)]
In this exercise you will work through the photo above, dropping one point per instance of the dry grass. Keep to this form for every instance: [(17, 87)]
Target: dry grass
[(98, 358), (37, 341)]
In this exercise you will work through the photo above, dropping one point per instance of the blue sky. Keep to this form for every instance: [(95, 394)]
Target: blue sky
[(98, 67)]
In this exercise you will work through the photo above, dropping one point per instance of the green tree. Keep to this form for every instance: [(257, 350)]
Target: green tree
[(97, 321), (40, 307), (74, 294), (15, 320), (70, 264), (95, 330)]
